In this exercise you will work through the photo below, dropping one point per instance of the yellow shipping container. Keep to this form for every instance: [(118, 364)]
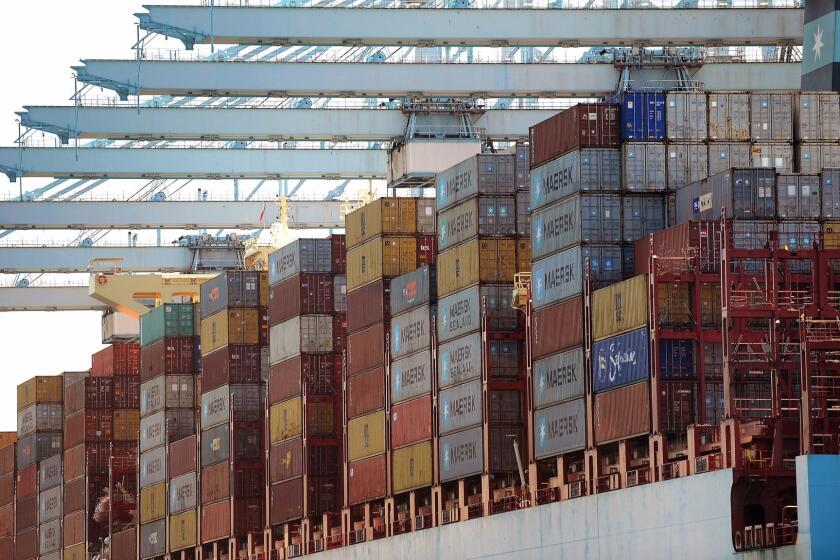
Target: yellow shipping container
[(75, 552), (264, 288), (40, 389), (229, 326), (523, 255), (366, 436), (182, 531), (831, 235), (620, 308), (153, 503), (285, 420), (380, 257), (126, 425), (382, 216), (412, 467), (477, 260)]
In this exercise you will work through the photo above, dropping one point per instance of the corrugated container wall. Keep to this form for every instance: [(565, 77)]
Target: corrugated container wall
[(619, 308), (771, 117), (589, 169), (586, 125), (686, 116), (486, 174), (729, 116), (301, 255), (642, 115), (644, 167)]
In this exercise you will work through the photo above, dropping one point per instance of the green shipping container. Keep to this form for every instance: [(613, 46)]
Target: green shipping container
[(168, 320)]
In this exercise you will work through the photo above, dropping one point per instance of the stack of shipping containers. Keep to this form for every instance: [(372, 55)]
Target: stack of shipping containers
[(771, 130), (101, 425), (234, 347), (167, 409), (307, 315), (385, 239), (39, 427), (480, 351), (7, 499), (818, 130)]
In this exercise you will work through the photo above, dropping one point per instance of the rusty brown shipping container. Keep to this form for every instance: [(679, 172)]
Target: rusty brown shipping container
[(90, 392), (167, 356), (27, 480), (285, 460), (339, 253), (7, 489), (586, 125), (368, 305), (182, 456), (622, 413), (366, 479), (125, 544), (7, 520), (88, 426), (231, 364), (40, 389), (26, 544), (247, 518), (411, 422), (121, 358), (305, 293), (366, 349), (248, 482), (286, 501), (126, 392), (73, 530), (26, 513), (215, 483), (7, 547), (366, 392), (321, 375), (557, 327), (7, 459)]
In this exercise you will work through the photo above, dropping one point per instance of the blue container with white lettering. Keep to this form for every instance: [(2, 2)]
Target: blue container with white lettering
[(642, 115), (621, 360)]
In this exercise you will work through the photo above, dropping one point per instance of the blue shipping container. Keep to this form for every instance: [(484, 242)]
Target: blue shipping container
[(642, 115), (621, 360), (676, 359)]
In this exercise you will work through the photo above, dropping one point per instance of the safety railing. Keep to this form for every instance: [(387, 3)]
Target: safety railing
[(505, 4), (637, 477), (608, 482), (273, 145), (671, 471)]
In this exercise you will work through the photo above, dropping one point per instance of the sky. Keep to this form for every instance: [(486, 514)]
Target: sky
[(39, 41)]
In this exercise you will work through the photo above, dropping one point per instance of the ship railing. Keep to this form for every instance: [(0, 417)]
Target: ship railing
[(576, 488), (511, 501), (547, 495), (401, 526), (832, 297), (607, 482), (671, 471), (795, 300), (378, 529), (475, 509), (751, 299), (334, 541), (422, 521), (637, 477), (316, 545)]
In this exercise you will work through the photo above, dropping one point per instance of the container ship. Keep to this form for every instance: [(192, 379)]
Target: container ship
[(617, 340)]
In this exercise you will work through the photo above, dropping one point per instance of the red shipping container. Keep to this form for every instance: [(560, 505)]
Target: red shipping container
[(285, 460), (366, 349), (411, 422), (127, 392), (368, 305), (366, 479), (7, 520), (26, 544), (73, 531), (247, 518), (7, 547), (74, 462), (121, 358), (557, 327), (586, 125), (426, 250), (182, 455), (366, 393), (673, 242), (231, 364), (88, 426), (286, 501), (93, 458), (124, 545), (339, 253), (167, 355), (26, 513), (305, 293), (27, 481), (90, 393), (215, 483), (74, 494), (7, 489), (320, 374), (622, 413), (7, 459)]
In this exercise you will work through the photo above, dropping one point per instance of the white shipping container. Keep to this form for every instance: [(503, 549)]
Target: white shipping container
[(726, 155), (814, 157), (40, 417), (685, 116), (729, 116), (49, 504), (772, 154), (771, 117), (578, 219), (183, 493), (460, 407), (687, 163), (560, 429), (152, 466), (582, 170), (49, 537), (118, 326), (459, 360), (411, 377), (311, 334), (458, 314), (411, 332), (152, 431), (644, 166), (557, 277), (558, 378)]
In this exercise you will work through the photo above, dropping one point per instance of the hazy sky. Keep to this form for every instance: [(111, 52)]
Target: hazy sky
[(39, 41)]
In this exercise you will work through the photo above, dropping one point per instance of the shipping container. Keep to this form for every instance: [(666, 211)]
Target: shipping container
[(152, 466), (74, 530), (152, 503), (557, 277), (26, 513), (558, 378), (459, 314), (301, 255), (462, 454), (460, 407), (40, 389), (560, 429), (676, 359), (577, 219), (729, 116), (7, 458), (183, 531), (411, 422), (302, 294), (366, 479), (170, 320), (7, 489), (7, 521), (233, 288), (483, 174), (383, 256), (586, 125), (215, 483), (37, 447), (773, 155), (76, 552), (49, 473), (230, 326), (126, 425), (411, 377), (522, 153), (314, 374), (557, 328), (366, 392), (7, 547), (621, 413), (799, 235), (340, 293), (368, 305), (643, 215), (686, 116), (125, 545), (166, 426), (170, 391), (49, 537), (644, 167), (216, 519), (40, 417), (167, 356), (412, 467), (619, 308), (216, 446), (182, 456), (642, 115), (744, 193), (460, 360), (478, 260), (830, 194), (153, 539), (621, 360), (183, 493), (26, 481), (818, 116), (411, 332), (121, 358), (771, 116), (724, 156), (798, 196), (587, 170), (523, 213), (286, 501), (26, 544), (677, 406), (127, 392), (246, 400), (687, 163), (490, 216), (413, 289), (388, 216), (814, 157), (49, 504), (366, 436), (286, 420), (285, 460), (366, 349), (232, 364)]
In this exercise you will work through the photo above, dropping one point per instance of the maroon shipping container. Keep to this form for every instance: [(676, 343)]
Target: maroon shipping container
[(27, 481), (672, 242), (182, 455), (247, 518), (323, 461), (215, 483), (557, 327), (7, 459), (167, 356), (286, 501), (285, 460), (366, 349), (586, 125), (127, 392), (340, 334), (7, 547), (411, 422), (89, 392), (366, 479), (88, 426), (74, 494), (124, 545), (74, 528), (231, 364), (26, 544), (7, 520), (120, 358), (622, 413), (368, 305), (75, 462), (248, 482), (92, 458), (677, 406), (426, 250), (305, 293), (339, 253), (26, 513), (366, 393), (321, 374), (95, 486), (7, 489)]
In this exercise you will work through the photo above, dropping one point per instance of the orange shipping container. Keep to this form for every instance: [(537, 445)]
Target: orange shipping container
[(523, 255), (126, 425), (366, 479), (74, 528), (411, 422), (366, 349), (215, 482)]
